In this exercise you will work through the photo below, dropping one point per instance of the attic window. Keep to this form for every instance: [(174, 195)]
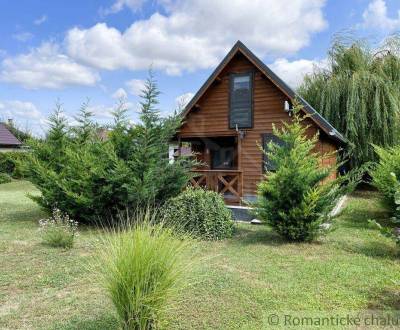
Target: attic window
[(241, 100)]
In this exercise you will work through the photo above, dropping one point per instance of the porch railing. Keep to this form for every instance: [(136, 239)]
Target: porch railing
[(226, 182)]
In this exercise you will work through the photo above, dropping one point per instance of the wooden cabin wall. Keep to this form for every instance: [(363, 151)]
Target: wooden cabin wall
[(211, 119)]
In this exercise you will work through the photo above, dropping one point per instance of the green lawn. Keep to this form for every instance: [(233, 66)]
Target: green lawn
[(235, 283)]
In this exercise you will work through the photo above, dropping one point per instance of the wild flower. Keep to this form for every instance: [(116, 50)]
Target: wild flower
[(59, 230)]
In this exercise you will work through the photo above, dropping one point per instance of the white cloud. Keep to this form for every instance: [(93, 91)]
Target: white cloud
[(25, 114), (135, 86), (293, 72), (182, 100), (376, 16), (46, 67), (21, 109), (104, 112), (120, 93), (101, 111), (118, 5), (23, 36), (40, 20), (195, 34)]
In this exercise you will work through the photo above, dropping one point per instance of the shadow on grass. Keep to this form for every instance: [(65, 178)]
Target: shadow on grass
[(256, 234), (385, 300), (375, 249), (104, 322), (358, 217)]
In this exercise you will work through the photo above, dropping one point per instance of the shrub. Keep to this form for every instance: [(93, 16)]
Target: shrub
[(297, 198), (382, 174), (393, 233), (58, 230), (91, 177), (142, 268), (201, 213), (13, 163), (4, 178)]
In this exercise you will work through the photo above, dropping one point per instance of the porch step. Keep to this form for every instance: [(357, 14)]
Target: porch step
[(241, 213)]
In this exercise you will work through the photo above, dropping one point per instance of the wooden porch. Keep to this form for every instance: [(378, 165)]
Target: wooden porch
[(226, 182)]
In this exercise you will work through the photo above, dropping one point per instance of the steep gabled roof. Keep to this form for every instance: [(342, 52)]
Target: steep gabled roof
[(278, 82), (7, 138)]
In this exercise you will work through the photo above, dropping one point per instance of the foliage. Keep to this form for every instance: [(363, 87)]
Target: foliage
[(296, 199), (358, 93), (393, 233), (92, 178), (142, 267), (13, 163), (201, 213), (4, 178), (382, 174), (58, 230)]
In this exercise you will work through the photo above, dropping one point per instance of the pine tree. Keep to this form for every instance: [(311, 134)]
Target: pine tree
[(86, 127)]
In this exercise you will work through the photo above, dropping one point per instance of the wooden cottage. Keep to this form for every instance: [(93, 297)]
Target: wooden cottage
[(232, 114)]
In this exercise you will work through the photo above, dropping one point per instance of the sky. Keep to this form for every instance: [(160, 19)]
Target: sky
[(101, 51)]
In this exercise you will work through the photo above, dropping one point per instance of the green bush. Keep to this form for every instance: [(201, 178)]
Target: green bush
[(58, 230), (91, 177), (142, 268), (201, 213), (297, 198), (382, 178), (393, 233), (13, 163), (4, 178)]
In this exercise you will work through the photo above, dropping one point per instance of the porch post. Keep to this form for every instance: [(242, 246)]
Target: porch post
[(240, 179), (179, 146)]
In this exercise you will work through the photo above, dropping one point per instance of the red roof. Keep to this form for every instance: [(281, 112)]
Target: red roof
[(7, 138)]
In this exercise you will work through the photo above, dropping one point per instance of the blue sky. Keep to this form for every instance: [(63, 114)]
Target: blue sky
[(101, 50)]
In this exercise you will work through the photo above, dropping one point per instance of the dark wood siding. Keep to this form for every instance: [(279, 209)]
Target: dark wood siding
[(211, 118)]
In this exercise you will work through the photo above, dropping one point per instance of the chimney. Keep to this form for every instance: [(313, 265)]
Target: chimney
[(11, 122)]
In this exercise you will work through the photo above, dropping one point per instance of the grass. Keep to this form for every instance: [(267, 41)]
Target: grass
[(235, 284)]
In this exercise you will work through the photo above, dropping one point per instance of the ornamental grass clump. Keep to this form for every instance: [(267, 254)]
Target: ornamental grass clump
[(142, 267), (58, 230)]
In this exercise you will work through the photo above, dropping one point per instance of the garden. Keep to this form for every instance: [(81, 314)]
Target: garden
[(232, 284), (103, 232)]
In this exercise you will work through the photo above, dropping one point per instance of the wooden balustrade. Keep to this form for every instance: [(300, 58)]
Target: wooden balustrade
[(226, 182)]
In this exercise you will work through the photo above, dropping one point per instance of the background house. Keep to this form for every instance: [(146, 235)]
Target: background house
[(8, 142)]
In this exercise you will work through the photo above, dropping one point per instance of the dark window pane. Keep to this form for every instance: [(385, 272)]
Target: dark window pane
[(223, 158), (241, 101), (267, 138)]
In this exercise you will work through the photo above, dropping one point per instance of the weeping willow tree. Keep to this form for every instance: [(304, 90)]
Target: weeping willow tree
[(359, 93)]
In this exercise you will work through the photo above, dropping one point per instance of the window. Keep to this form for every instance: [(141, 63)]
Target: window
[(223, 158), (241, 112), (267, 138)]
